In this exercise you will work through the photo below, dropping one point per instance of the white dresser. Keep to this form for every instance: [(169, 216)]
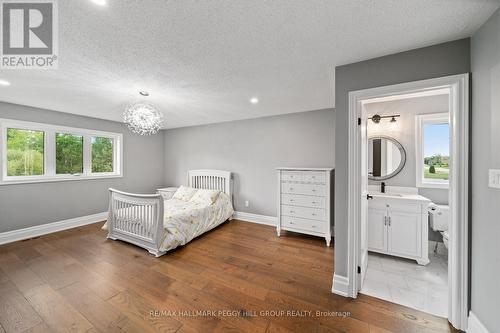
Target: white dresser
[(305, 201)]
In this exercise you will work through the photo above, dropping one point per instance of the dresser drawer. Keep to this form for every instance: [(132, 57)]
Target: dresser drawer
[(303, 212), (306, 189), (314, 176), (303, 200), (303, 224), (295, 176)]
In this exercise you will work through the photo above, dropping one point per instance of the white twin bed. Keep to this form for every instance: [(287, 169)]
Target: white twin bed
[(158, 225)]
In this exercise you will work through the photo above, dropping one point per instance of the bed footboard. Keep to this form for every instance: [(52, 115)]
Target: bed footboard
[(137, 219)]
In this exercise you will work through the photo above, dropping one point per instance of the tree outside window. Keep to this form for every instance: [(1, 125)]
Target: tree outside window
[(25, 152), (102, 154), (69, 153)]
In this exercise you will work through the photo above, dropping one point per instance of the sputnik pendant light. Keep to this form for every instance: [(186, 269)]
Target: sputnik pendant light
[(143, 118)]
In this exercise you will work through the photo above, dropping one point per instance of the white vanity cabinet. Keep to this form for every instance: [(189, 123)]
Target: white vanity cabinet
[(304, 201), (398, 226)]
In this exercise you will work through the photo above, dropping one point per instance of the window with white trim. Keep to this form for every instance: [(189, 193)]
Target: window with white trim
[(432, 148), (36, 152)]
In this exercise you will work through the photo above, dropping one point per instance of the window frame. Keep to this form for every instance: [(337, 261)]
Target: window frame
[(50, 153), (420, 121)]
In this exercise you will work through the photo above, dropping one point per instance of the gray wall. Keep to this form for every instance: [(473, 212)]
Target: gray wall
[(252, 149), (404, 132), (485, 302), (27, 205), (425, 63)]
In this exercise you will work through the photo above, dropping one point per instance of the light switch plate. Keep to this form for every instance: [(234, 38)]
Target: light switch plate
[(494, 178)]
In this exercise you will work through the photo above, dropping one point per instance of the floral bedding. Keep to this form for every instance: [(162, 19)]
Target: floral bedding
[(186, 220)]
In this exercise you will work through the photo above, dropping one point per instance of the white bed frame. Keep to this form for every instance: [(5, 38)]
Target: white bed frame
[(138, 218)]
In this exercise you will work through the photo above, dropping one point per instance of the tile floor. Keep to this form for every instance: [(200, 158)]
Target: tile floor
[(404, 282)]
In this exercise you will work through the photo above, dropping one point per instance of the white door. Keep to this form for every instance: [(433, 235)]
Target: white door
[(405, 234), (364, 204), (377, 230)]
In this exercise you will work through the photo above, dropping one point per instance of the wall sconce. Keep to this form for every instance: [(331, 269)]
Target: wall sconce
[(377, 118)]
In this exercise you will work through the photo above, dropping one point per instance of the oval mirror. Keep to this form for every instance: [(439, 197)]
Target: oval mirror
[(386, 157)]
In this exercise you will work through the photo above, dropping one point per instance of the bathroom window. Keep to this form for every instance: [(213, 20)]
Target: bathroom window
[(433, 150)]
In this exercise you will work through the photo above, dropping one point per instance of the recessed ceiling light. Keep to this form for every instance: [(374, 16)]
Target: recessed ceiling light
[(99, 2), (4, 83), (254, 100), (144, 93)]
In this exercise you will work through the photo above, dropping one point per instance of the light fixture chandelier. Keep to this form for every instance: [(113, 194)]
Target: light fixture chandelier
[(143, 118)]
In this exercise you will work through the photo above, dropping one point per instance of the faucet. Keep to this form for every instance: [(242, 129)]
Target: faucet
[(382, 187)]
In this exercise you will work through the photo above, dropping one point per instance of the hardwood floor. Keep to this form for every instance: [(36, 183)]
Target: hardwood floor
[(239, 277)]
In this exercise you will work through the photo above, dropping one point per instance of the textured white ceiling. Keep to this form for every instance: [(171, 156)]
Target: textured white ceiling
[(203, 60)]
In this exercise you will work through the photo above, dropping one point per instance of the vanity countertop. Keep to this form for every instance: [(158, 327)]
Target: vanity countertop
[(397, 193), (399, 196)]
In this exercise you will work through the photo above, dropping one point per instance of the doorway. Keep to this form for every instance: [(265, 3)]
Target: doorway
[(407, 227), (456, 87)]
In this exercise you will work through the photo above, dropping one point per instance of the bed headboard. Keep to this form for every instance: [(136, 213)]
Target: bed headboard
[(211, 180)]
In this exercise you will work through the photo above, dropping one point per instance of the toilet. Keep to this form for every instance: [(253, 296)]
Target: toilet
[(439, 218)]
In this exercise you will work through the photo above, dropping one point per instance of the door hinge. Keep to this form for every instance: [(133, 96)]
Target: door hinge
[(359, 269), (359, 121)]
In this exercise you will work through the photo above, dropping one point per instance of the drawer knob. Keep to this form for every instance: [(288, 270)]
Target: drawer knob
[(291, 188), (314, 202), (313, 214), (291, 222), (292, 212), (291, 200), (314, 226)]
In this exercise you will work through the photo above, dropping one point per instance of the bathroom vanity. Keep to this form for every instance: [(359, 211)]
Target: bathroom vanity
[(398, 223)]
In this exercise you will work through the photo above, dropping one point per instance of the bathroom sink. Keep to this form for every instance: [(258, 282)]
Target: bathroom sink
[(396, 193), (387, 194)]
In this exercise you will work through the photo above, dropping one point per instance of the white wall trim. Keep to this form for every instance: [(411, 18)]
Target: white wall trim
[(340, 285), (44, 229), (475, 325), (458, 87), (256, 218)]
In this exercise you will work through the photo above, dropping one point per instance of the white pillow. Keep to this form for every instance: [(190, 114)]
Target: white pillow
[(184, 193), (205, 197)]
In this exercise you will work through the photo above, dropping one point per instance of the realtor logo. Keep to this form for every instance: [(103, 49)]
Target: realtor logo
[(29, 34)]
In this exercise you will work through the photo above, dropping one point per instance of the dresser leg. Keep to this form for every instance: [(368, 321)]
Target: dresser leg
[(328, 240), (278, 231)]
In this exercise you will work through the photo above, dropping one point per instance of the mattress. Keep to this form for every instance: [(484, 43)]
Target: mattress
[(185, 220)]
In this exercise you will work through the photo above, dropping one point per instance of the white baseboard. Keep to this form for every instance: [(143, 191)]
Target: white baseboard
[(255, 218), (474, 325), (39, 230), (340, 285)]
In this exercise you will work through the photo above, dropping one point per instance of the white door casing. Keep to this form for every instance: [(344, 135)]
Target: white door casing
[(363, 263), (458, 87)]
